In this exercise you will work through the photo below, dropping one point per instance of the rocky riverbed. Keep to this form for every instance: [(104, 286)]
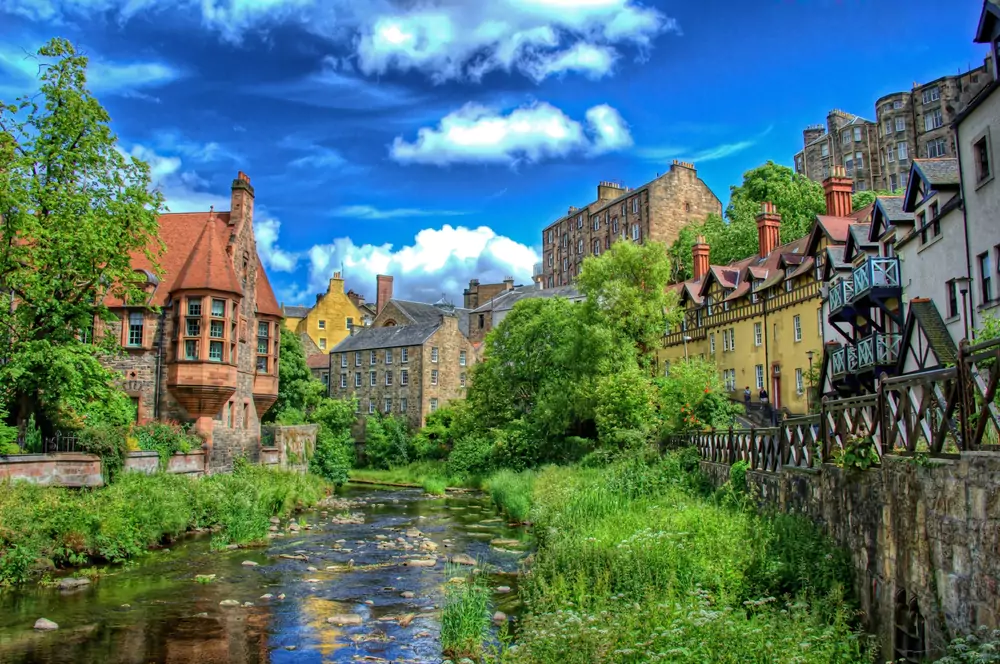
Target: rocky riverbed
[(360, 579)]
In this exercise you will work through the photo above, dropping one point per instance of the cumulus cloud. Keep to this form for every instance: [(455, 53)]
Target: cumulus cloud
[(479, 134), (445, 39)]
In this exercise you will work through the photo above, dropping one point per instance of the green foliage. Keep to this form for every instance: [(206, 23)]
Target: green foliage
[(44, 526), (693, 397), (8, 436), (472, 455), (797, 198), (418, 474), (387, 441), (74, 209), (434, 486), (859, 453), (465, 617), (166, 439), (980, 647), (511, 492), (334, 455), (738, 476), (117, 411), (441, 430), (108, 442), (32, 436), (298, 390), (625, 401), (862, 199)]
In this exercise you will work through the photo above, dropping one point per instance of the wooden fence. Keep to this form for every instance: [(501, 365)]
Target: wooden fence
[(940, 411)]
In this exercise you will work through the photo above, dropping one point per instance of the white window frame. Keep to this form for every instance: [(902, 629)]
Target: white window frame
[(434, 376), (343, 360), (711, 342), (902, 152), (322, 324), (900, 124), (759, 374), (402, 404), (635, 205), (597, 223), (797, 327), (373, 358), (372, 379), (824, 150), (357, 358), (371, 406), (800, 385), (434, 354), (635, 232), (433, 404), (388, 356), (404, 377), (857, 134), (388, 378), (404, 355), (931, 95), (343, 380), (357, 379), (388, 405), (461, 379), (758, 334), (462, 357), (845, 138)]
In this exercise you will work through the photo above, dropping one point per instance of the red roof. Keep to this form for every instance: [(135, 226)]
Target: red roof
[(208, 266), (836, 228), (318, 361), (267, 304)]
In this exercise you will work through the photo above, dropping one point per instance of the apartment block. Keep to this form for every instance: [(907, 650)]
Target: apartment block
[(655, 211), (847, 140)]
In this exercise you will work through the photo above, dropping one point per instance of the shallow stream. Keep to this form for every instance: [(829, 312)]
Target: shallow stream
[(156, 611)]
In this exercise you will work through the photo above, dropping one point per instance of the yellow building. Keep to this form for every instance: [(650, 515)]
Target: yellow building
[(757, 319), (330, 320)]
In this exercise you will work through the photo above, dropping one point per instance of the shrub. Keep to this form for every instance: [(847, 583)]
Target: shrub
[(435, 486), (472, 455), (443, 427), (387, 441), (625, 401), (165, 438), (108, 442), (517, 446), (333, 458), (290, 417), (693, 397), (980, 647)]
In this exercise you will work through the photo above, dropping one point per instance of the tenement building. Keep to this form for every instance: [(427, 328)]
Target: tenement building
[(847, 140), (209, 355), (331, 319), (655, 211)]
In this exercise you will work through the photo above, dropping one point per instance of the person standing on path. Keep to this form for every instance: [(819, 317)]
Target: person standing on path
[(746, 397)]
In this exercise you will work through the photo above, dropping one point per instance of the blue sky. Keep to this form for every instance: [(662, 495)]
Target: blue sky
[(434, 139)]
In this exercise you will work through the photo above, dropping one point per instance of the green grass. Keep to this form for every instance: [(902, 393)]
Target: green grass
[(635, 563), (465, 617), (435, 486), (42, 527), (511, 492), (418, 474)]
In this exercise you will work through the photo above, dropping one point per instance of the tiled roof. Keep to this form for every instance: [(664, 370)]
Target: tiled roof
[(421, 313), (371, 338), (295, 312), (267, 304), (836, 228), (892, 208), (766, 268), (805, 267), (208, 266), (318, 361), (942, 172)]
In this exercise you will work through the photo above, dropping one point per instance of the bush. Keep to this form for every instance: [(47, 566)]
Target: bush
[(693, 397), (333, 458), (511, 492), (472, 455), (435, 486), (517, 446), (442, 428), (165, 438), (387, 441), (108, 442), (290, 417), (465, 617)]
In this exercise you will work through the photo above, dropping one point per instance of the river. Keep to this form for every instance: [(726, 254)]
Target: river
[(156, 611)]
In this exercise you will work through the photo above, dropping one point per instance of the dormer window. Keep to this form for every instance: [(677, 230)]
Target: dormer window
[(136, 325), (708, 304)]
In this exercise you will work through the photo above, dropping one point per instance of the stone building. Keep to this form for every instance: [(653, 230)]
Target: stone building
[(847, 140), (330, 320), (489, 314), (209, 356), (655, 211), (477, 293)]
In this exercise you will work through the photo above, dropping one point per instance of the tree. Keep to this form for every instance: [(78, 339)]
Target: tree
[(861, 199), (334, 445), (298, 390), (626, 291), (73, 211), (693, 397)]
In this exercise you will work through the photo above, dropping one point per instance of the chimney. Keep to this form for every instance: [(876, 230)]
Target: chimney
[(768, 228), (508, 283), (607, 190), (700, 253), (383, 292), (336, 284), (838, 188), (241, 204)]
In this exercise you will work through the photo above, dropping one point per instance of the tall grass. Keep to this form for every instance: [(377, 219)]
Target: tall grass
[(416, 474), (637, 564), (45, 526), (435, 486), (511, 492), (465, 617)]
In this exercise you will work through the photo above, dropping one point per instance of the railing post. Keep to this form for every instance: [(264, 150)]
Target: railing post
[(963, 379), (824, 447), (881, 414)]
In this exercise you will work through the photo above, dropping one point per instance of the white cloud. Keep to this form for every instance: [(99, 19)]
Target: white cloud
[(371, 213), (445, 39), (720, 151), (266, 231), (476, 133)]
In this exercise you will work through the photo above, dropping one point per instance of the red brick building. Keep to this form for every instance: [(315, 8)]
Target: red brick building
[(209, 355)]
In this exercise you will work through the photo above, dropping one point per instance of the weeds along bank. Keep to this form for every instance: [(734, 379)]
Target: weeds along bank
[(46, 527), (641, 562)]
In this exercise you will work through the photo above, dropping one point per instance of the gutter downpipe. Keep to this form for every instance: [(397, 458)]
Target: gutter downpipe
[(970, 315)]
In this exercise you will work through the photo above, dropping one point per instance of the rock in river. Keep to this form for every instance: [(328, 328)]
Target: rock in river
[(345, 619), (250, 563), (44, 624), (499, 617), (229, 602), (70, 584), (463, 559), (418, 562)]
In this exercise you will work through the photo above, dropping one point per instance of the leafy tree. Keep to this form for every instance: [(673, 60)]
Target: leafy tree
[(626, 291), (862, 198), (387, 441), (334, 445), (298, 390), (73, 211), (693, 397), (626, 401), (441, 430)]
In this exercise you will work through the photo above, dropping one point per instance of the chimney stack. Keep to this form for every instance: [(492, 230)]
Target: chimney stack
[(768, 228), (241, 203), (383, 292), (508, 283), (700, 253), (838, 188)]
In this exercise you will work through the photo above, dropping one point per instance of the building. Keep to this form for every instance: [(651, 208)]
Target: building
[(988, 31), (488, 315), (477, 293), (847, 140), (331, 319), (209, 356), (655, 211), (407, 368)]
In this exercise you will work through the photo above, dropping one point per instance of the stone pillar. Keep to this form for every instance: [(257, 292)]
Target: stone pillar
[(203, 426)]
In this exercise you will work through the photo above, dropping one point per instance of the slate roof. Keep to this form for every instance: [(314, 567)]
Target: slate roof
[(296, 312), (924, 315), (507, 300), (422, 313), (941, 172), (395, 336)]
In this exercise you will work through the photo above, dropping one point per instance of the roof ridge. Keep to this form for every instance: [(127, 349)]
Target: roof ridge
[(209, 258)]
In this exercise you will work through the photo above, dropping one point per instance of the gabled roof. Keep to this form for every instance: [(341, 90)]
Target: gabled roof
[(982, 96), (888, 211), (923, 317), (318, 361), (987, 21), (857, 241), (295, 312), (933, 175), (208, 266), (804, 268), (267, 304), (834, 229), (513, 297), (395, 336), (421, 313)]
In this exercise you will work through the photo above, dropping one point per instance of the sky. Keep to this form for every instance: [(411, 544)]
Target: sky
[(434, 139)]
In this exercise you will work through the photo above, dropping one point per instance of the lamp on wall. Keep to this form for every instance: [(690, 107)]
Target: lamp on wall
[(686, 340), (963, 284)]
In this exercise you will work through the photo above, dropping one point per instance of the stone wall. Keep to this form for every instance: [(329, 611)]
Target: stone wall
[(295, 444), (69, 469), (924, 539), (192, 463)]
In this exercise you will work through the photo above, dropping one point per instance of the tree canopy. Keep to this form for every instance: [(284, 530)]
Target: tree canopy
[(73, 210), (862, 198), (298, 391)]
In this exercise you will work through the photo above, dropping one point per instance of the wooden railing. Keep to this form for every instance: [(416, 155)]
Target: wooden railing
[(937, 412)]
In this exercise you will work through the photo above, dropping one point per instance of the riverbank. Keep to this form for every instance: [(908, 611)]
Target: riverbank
[(643, 563), (432, 476), (46, 528)]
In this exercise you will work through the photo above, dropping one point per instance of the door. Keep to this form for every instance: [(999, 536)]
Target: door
[(776, 392)]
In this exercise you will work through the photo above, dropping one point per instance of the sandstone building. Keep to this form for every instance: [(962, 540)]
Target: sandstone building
[(489, 314), (847, 140), (331, 319), (655, 211), (477, 293), (210, 355)]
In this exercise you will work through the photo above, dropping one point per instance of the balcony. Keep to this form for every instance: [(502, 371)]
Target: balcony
[(878, 276), (878, 350), (838, 360), (841, 294)]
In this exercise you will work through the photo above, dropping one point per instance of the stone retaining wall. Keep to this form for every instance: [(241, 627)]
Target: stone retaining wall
[(270, 456), (192, 463), (924, 539), (295, 444), (68, 469)]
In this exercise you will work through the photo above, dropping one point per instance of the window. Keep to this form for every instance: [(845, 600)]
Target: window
[(799, 383), (357, 358), (357, 379), (732, 339), (219, 308), (482, 321), (893, 182), (891, 153), (922, 225), (388, 356), (322, 343), (579, 221), (824, 150), (371, 406), (952, 287), (845, 138), (215, 351), (597, 247), (933, 119), (343, 380), (981, 153), (666, 368), (194, 306), (849, 166), (190, 349), (614, 226), (434, 405), (461, 358), (903, 179), (901, 151), (635, 232), (372, 357), (434, 354), (597, 223), (862, 185), (579, 246), (857, 134), (759, 370), (404, 355), (322, 324), (898, 104), (931, 95), (757, 334), (388, 405), (819, 322), (623, 210), (900, 124), (402, 404), (635, 205), (350, 323), (986, 278), (935, 218), (388, 378), (550, 236), (937, 148), (461, 379), (404, 377), (263, 345), (135, 328), (434, 376), (711, 343), (788, 285), (859, 160), (194, 327), (797, 327), (357, 405), (371, 378)]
